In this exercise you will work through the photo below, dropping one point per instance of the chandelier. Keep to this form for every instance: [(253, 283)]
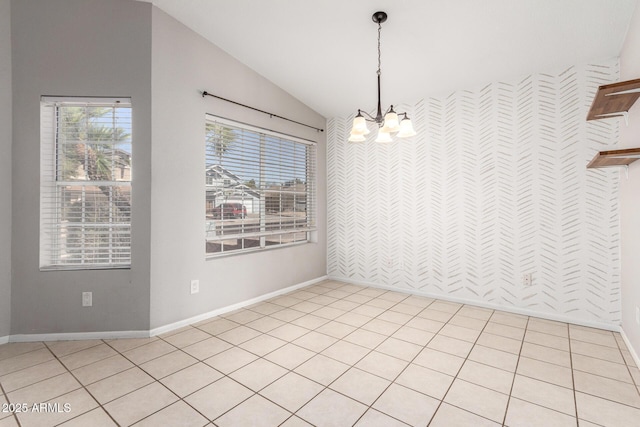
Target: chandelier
[(389, 122)]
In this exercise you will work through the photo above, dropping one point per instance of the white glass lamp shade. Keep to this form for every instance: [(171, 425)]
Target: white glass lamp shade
[(356, 138), (383, 136), (359, 126), (406, 128), (391, 123)]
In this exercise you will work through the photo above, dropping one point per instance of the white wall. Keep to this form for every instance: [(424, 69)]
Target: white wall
[(184, 64), (78, 48), (630, 193), (501, 186), (5, 168)]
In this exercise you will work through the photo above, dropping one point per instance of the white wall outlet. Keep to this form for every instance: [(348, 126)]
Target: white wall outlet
[(638, 315), (87, 299), (526, 279), (195, 286)]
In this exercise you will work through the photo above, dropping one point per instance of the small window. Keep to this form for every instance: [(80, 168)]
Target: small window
[(266, 195), (85, 195)]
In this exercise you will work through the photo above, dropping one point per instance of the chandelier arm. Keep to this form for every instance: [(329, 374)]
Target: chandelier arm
[(369, 117)]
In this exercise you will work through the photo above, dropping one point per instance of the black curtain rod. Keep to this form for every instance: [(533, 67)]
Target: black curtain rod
[(205, 93)]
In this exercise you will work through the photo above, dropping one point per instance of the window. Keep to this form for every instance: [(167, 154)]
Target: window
[(260, 188), (85, 183)]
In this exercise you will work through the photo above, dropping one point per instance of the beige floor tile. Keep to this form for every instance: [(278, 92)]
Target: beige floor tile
[(523, 414), (546, 354), (284, 301), (26, 360), (257, 375), (368, 310), (509, 319), (147, 352), (478, 400), (382, 365), (450, 345), (17, 348), (177, 414), (427, 325), (418, 301), (602, 368), (9, 422), (88, 356), (262, 344), (238, 335), (371, 292), (94, 418), (542, 393), (605, 412), (45, 390), (122, 345), (547, 340), (218, 326), (307, 307), (450, 416), (97, 371), (205, 349), (598, 351), (439, 361), (344, 305), (336, 329), (413, 335), (373, 418), (440, 316), (468, 322), (188, 337), (139, 404), (380, 303), (394, 316), (78, 401), (168, 364), (175, 331), (426, 381), (318, 299), (191, 379), (500, 343), (496, 358), (331, 409), (446, 306), (31, 375), (486, 376), (242, 316), (628, 358), (120, 384), (353, 319), (394, 296), (406, 405), (265, 308), (544, 371), (288, 332), (292, 391), (329, 313), (365, 338), (607, 339), (360, 385), (549, 327), (290, 356), (505, 330), (346, 352), (217, 398), (476, 312), (230, 360), (322, 369), (265, 324), (315, 341), (461, 333), (310, 321), (357, 298), (409, 309), (64, 348), (3, 413), (255, 411), (381, 327), (401, 349), (606, 388)]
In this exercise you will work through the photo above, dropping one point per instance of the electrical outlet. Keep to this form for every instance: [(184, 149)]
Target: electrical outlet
[(87, 299), (526, 279), (195, 286)]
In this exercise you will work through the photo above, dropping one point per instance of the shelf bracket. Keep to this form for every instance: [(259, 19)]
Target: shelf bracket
[(624, 114), (626, 171)]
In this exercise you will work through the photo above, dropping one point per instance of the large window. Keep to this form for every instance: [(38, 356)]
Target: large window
[(85, 183), (260, 188)]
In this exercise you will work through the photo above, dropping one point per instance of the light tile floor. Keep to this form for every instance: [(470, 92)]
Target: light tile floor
[(332, 354)]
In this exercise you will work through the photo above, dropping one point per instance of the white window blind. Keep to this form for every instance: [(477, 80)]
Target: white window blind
[(85, 184), (260, 188)]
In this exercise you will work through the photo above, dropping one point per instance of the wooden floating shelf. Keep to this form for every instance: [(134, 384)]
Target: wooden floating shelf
[(615, 158), (614, 100)]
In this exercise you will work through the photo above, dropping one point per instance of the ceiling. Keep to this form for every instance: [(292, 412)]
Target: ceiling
[(324, 52)]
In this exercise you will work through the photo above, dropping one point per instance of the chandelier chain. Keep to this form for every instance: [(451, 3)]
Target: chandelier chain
[(379, 31)]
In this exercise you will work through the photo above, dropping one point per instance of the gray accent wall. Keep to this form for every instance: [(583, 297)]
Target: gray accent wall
[(5, 168), (630, 192), (184, 64), (78, 48)]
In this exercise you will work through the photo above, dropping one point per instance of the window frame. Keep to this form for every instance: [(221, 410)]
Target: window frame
[(310, 229)]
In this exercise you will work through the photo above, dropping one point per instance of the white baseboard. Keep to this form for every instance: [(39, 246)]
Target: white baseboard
[(199, 318), (156, 331), (515, 310), (630, 347)]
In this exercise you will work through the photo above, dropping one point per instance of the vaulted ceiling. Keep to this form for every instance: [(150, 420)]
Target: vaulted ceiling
[(324, 52)]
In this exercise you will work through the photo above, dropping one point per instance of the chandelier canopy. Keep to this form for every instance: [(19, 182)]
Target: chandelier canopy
[(389, 122)]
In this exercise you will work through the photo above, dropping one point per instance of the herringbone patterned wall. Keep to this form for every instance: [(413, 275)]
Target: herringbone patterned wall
[(495, 185)]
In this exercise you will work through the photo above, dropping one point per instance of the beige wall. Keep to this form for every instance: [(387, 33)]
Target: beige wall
[(630, 193)]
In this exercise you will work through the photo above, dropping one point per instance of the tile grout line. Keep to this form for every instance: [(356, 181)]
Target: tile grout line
[(515, 373)]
